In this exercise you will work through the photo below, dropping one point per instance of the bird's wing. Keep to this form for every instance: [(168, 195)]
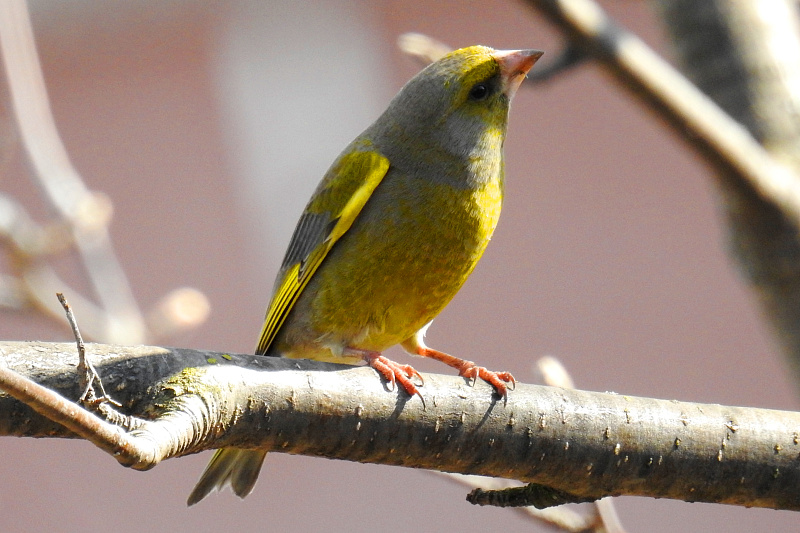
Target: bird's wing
[(330, 213)]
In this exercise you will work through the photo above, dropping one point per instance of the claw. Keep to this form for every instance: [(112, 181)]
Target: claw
[(471, 371), (396, 373), (497, 379)]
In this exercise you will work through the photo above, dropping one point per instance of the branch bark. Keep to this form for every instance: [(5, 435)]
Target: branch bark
[(743, 55), (586, 444)]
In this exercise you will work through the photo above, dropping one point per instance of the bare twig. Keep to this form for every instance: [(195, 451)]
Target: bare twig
[(88, 374), (26, 237), (554, 374), (13, 296), (423, 48), (539, 496), (178, 311), (608, 517), (568, 58), (744, 56), (83, 217)]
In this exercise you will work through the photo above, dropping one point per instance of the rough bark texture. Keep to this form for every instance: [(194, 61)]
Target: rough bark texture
[(587, 444)]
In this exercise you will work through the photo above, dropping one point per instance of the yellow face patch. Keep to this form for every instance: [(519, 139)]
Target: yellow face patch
[(470, 66), (465, 69)]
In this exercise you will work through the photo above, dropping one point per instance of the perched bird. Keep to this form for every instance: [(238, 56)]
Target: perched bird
[(392, 232)]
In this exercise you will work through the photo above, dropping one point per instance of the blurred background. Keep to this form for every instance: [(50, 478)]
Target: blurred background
[(208, 124)]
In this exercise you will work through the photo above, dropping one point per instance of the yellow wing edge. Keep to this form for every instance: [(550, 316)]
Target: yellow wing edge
[(372, 166)]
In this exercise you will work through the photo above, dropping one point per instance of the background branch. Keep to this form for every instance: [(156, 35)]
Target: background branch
[(87, 213), (706, 127), (83, 216), (743, 55), (756, 79)]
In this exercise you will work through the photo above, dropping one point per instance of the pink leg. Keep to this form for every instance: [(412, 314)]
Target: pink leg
[(470, 370)]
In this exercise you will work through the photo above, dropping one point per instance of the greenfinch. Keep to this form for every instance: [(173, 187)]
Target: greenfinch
[(392, 232)]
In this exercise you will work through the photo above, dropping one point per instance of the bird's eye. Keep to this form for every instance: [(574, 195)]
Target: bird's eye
[(479, 92)]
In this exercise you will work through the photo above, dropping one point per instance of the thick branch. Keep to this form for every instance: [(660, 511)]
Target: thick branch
[(586, 444)]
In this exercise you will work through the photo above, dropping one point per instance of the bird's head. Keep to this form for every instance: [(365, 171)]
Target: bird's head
[(459, 104)]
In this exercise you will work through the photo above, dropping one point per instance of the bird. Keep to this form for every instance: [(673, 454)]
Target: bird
[(392, 232)]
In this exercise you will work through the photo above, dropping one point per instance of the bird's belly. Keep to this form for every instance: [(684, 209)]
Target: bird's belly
[(398, 266)]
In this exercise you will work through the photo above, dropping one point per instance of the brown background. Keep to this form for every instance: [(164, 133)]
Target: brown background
[(610, 254)]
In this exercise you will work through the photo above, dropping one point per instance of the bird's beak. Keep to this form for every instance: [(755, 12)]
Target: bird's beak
[(514, 66)]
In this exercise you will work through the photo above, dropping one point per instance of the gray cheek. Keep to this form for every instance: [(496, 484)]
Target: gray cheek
[(462, 135)]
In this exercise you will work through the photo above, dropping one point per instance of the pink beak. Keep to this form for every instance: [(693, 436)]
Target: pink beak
[(514, 66)]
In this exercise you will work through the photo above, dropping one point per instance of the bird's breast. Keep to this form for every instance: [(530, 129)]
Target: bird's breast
[(406, 256)]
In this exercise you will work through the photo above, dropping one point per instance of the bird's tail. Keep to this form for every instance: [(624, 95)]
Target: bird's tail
[(234, 466)]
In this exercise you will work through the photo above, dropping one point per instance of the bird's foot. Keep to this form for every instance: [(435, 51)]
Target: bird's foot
[(395, 373), (498, 380), (469, 370)]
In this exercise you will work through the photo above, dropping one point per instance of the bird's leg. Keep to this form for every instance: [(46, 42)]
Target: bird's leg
[(393, 372), (470, 370)]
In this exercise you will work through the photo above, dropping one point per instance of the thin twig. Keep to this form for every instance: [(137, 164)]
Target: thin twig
[(567, 59), (85, 368), (82, 218), (87, 371), (13, 296), (423, 48)]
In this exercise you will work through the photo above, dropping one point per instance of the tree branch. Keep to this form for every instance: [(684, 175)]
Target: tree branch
[(585, 444), (744, 56), (707, 128)]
